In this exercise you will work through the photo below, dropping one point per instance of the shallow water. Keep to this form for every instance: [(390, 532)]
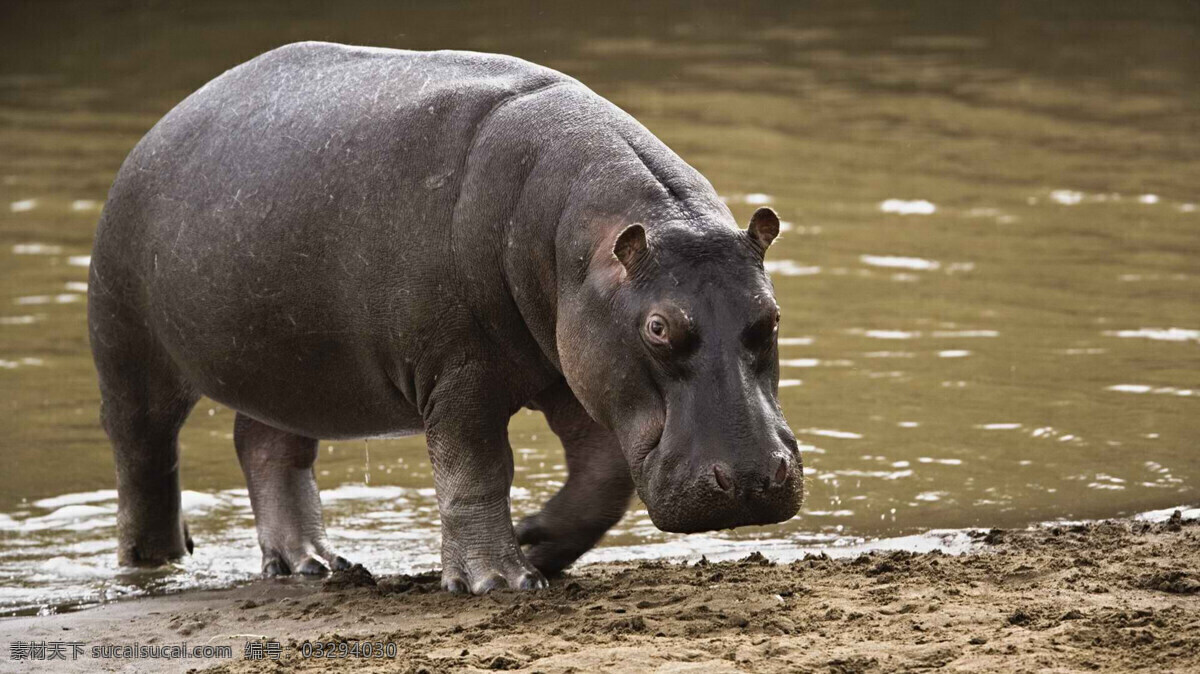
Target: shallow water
[(989, 275)]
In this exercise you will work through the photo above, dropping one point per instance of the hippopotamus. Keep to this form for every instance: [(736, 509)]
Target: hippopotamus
[(346, 242)]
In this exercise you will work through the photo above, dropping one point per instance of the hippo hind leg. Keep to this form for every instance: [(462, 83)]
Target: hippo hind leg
[(595, 495), (283, 492), (143, 404)]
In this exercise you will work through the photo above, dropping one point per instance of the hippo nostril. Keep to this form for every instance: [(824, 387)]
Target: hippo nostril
[(781, 472), (722, 479)]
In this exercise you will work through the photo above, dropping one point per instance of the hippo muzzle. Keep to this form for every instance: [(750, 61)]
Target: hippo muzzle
[(695, 487)]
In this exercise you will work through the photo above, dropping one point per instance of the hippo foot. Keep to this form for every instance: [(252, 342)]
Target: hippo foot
[(481, 577), (151, 551), (551, 549), (275, 567), (595, 495), (306, 560)]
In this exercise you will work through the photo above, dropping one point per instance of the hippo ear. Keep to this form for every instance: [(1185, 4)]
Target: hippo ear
[(764, 227), (630, 246)]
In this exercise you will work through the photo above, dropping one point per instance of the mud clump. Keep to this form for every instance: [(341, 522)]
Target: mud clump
[(353, 577), (1174, 582), (421, 583), (1175, 523), (755, 558), (1019, 617), (504, 662)]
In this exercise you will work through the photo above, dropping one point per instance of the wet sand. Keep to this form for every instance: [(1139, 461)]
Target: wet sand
[(1109, 596)]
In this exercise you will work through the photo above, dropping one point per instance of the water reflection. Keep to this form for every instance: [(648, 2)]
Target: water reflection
[(902, 207), (987, 271), (1159, 334), (893, 261), (1146, 388)]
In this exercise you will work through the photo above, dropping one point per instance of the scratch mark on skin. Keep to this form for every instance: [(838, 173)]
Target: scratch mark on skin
[(423, 84), (301, 143), (175, 244)]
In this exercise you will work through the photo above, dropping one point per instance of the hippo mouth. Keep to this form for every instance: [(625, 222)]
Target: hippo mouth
[(705, 506)]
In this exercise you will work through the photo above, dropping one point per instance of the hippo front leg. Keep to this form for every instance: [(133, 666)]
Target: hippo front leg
[(595, 495), (472, 472)]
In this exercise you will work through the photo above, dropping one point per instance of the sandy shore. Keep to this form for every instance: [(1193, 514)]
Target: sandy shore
[(1112, 596)]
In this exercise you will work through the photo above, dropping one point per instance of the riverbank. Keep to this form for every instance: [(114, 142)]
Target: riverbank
[(1107, 596)]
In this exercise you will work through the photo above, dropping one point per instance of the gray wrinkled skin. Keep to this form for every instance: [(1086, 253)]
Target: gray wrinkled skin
[(342, 242)]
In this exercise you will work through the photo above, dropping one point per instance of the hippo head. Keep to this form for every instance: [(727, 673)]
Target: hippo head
[(673, 345)]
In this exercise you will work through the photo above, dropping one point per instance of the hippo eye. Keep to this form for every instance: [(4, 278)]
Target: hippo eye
[(759, 336), (656, 328)]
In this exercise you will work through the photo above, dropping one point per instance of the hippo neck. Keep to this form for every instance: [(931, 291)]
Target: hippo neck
[(641, 182), (635, 178)]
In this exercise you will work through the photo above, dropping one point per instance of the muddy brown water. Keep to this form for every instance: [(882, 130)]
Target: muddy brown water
[(988, 276)]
